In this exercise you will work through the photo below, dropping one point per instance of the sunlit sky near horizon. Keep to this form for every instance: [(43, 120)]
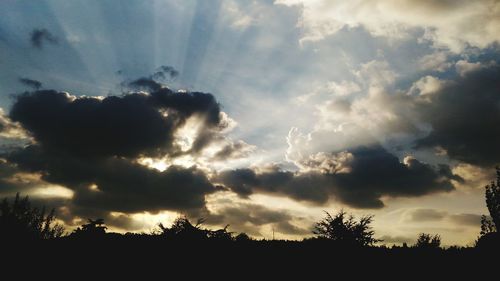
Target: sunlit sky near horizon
[(258, 114)]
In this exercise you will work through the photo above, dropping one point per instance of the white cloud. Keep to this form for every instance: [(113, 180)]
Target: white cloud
[(376, 73), (463, 67), (376, 113), (426, 85), (437, 61), (241, 16), (451, 24), (343, 88), (375, 118), (329, 90)]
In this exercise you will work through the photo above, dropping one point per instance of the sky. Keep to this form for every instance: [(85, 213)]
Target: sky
[(258, 114)]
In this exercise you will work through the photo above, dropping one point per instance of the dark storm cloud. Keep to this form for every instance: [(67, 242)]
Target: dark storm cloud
[(128, 187), (117, 184), (190, 103), (374, 173), (34, 84), (90, 145), (465, 118), (40, 36), (121, 126), (128, 125)]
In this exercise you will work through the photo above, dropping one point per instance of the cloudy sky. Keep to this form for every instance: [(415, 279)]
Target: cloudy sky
[(258, 114)]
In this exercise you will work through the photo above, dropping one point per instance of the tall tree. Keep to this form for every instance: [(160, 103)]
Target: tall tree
[(20, 221), (493, 199)]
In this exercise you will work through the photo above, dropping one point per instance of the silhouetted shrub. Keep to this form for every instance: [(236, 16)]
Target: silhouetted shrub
[(21, 221), (428, 241), (346, 229)]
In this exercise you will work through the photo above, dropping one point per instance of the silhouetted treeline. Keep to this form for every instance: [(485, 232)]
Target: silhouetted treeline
[(340, 239), (19, 222)]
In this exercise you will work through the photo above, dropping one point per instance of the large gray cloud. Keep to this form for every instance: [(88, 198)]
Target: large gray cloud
[(372, 173), (465, 115)]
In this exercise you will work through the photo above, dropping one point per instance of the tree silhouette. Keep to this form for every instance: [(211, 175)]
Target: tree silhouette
[(346, 229), (21, 221), (183, 229), (242, 237), (489, 237), (492, 194), (487, 226), (221, 235), (428, 241), (92, 229)]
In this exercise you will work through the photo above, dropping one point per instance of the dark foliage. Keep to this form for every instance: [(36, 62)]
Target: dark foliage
[(183, 229), (489, 237), (428, 241), (93, 229), (493, 203), (21, 221), (487, 225), (221, 234), (242, 237)]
